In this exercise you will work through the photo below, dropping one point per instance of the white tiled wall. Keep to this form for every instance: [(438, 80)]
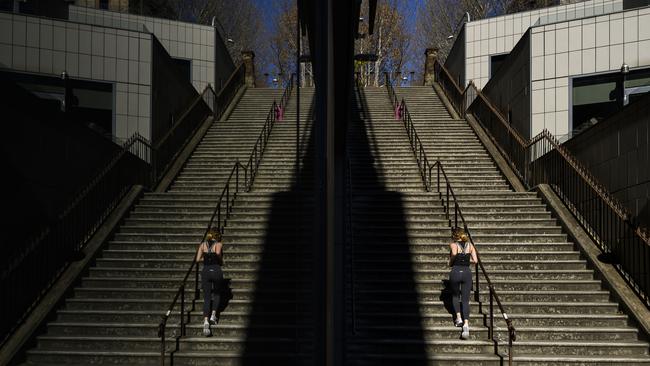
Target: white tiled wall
[(498, 35), (121, 57), (595, 45), (194, 42)]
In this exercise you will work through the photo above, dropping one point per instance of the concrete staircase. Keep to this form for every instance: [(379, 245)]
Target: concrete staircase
[(267, 255), (112, 315), (562, 313), (396, 309)]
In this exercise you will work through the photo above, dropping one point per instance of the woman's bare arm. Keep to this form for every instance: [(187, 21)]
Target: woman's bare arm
[(199, 252), (474, 257), (218, 248), (452, 253)]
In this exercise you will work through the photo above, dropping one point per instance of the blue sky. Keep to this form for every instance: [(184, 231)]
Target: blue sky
[(270, 11)]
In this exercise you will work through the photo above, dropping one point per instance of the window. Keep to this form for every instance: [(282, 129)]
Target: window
[(599, 96), (496, 61), (103, 4), (184, 67)]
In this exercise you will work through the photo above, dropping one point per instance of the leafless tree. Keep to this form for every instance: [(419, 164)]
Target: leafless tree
[(389, 43), (283, 46), (237, 20), (438, 21)]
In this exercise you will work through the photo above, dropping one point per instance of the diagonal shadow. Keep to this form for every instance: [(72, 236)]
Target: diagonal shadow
[(281, 318), (384, 313)]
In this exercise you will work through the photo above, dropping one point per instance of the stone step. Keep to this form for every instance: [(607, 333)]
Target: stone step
[(576, 322), (395, 345), (433, 289), (479, 332), (437, 278)]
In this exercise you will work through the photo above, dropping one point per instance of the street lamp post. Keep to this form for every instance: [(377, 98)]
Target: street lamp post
[(216, 21), (625, 69)]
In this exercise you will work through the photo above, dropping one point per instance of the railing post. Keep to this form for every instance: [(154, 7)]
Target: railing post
[(219, 215), (182, 310), (477, 290), (491, 328), (447, 200), (162, 343), (509, 348), (439, 193), (196, 282)]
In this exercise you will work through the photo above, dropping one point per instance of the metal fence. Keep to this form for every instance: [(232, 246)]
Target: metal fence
[(174, 140), (26, 276), (542, 160)]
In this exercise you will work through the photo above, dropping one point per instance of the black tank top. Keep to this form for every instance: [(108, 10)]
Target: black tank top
[(462, 256), (210, 258)]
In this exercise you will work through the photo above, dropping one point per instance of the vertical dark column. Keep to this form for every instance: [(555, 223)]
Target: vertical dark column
[(319, 39), (331, 27)]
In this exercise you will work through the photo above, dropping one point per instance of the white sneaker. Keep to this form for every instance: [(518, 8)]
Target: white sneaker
[(458, 323), (213, 318), (206, 329), (465, 333)]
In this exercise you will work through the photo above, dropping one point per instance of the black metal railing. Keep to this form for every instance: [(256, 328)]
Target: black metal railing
[(456, 219), (172, 142), (138, 162), (448, 201), (449, 86), (234, 184), (611, 226), (26, 276), (258, 149), (542, 160), (508, 140), (220, 216), (229, 90), (402, 113)]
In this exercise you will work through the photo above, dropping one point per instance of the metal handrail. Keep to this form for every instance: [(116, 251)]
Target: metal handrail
[(221, 223), (52, 247), (601, 214), (402, 113), (426, 174), (249, 172), (258, 149), (458, 214), (227, 93), (165, 150)]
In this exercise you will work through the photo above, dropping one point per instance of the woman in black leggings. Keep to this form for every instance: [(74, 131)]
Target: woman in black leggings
[(461, 254), (210, 251)]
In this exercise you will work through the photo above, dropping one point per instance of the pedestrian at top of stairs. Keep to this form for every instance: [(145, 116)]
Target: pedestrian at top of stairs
[(211, 252), (461, 254)]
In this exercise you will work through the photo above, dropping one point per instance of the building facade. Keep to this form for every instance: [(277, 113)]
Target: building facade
[(119, 60), (558, 68)]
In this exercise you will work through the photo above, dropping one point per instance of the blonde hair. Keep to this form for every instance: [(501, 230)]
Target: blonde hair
[(213, 233), (459, 234)]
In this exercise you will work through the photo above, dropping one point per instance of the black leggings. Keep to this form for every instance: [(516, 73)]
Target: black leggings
[(460, 280), (211, 279)]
